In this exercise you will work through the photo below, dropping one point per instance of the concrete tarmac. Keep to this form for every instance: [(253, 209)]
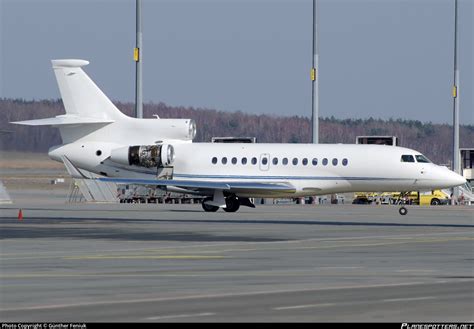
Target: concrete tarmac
[(171, 263)]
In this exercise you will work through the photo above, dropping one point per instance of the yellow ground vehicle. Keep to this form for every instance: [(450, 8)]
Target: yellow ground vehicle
[(436, 197)]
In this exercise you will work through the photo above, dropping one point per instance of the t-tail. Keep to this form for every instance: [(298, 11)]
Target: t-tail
[(92, 117)]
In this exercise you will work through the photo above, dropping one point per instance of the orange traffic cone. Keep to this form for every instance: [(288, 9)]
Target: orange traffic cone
[(20, 215)]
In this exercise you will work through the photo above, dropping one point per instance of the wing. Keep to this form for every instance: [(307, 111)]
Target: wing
[(205, 187), (195, 185)]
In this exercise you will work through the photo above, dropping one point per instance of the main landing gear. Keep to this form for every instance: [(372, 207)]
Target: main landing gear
[(232, 204), (208, 207)]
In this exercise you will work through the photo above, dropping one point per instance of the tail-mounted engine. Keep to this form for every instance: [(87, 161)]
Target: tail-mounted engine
[(148, 156)]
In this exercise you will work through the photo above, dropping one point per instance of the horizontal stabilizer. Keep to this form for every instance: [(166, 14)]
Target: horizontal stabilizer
[(58, 63), (62, 120)]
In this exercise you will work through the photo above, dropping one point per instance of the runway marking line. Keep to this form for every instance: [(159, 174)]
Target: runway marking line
[(178, 316)]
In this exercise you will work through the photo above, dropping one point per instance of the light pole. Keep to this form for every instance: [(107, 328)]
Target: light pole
[(137, 56), (456, 167), (315, 77)]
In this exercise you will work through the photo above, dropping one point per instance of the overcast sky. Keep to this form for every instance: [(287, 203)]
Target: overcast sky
[(379, 58)]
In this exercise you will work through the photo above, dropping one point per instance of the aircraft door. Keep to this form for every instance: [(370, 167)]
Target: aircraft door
[(264, 161)]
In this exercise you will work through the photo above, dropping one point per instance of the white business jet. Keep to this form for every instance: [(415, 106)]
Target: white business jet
[(98, 138)]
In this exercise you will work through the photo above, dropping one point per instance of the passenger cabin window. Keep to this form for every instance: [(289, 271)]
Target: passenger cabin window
[(264, 161), (305, 162), (254, 161), (224, 160), (345, 162), (334, 162), (408, 158), (275, 161), (214, 160), (315, 162), (234, 160), (422, 159), (244, 161), (325, 162), (295, 161), (284, 161)]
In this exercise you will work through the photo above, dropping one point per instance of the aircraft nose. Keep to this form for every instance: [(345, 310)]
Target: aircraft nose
[(456, 179)]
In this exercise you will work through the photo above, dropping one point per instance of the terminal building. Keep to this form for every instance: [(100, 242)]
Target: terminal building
[(379, 140)]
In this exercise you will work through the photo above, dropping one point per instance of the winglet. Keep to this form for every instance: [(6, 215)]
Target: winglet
[(71, 169)]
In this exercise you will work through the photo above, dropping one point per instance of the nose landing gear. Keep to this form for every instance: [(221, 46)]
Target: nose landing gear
[(402, 211), (403, 199)]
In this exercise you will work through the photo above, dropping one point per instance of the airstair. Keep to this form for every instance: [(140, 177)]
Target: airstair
[(4, 196), (465, 191), (468, 194)]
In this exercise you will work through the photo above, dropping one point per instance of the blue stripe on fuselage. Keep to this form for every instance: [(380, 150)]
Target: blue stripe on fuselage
[(284, 177)]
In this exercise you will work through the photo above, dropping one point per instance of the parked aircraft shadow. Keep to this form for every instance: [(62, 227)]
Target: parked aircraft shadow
[(121, 234)]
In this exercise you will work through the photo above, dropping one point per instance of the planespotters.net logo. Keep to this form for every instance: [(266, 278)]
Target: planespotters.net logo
[(437, 326)]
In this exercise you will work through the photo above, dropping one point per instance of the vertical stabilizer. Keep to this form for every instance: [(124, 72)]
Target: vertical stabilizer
[(81, 96)]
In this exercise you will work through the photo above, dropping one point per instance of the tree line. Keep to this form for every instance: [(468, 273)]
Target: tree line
[(433, 140)]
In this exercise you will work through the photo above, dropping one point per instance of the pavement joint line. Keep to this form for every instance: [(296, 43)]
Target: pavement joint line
[(78, 257), (223, 295), (407, 299), (179, 316), (184, 257), (296, 307), (415, 270), (275, 272), (267, 273)]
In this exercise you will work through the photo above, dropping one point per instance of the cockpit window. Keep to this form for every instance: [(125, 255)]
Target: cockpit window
[(407, 158), (422, 158)]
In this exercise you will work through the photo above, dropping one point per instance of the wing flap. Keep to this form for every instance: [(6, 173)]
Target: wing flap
[(256, 187), (190, 184)]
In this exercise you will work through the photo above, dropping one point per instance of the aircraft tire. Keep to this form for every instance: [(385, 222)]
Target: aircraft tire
[(232, 204), (402, 211), (208, 207)]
